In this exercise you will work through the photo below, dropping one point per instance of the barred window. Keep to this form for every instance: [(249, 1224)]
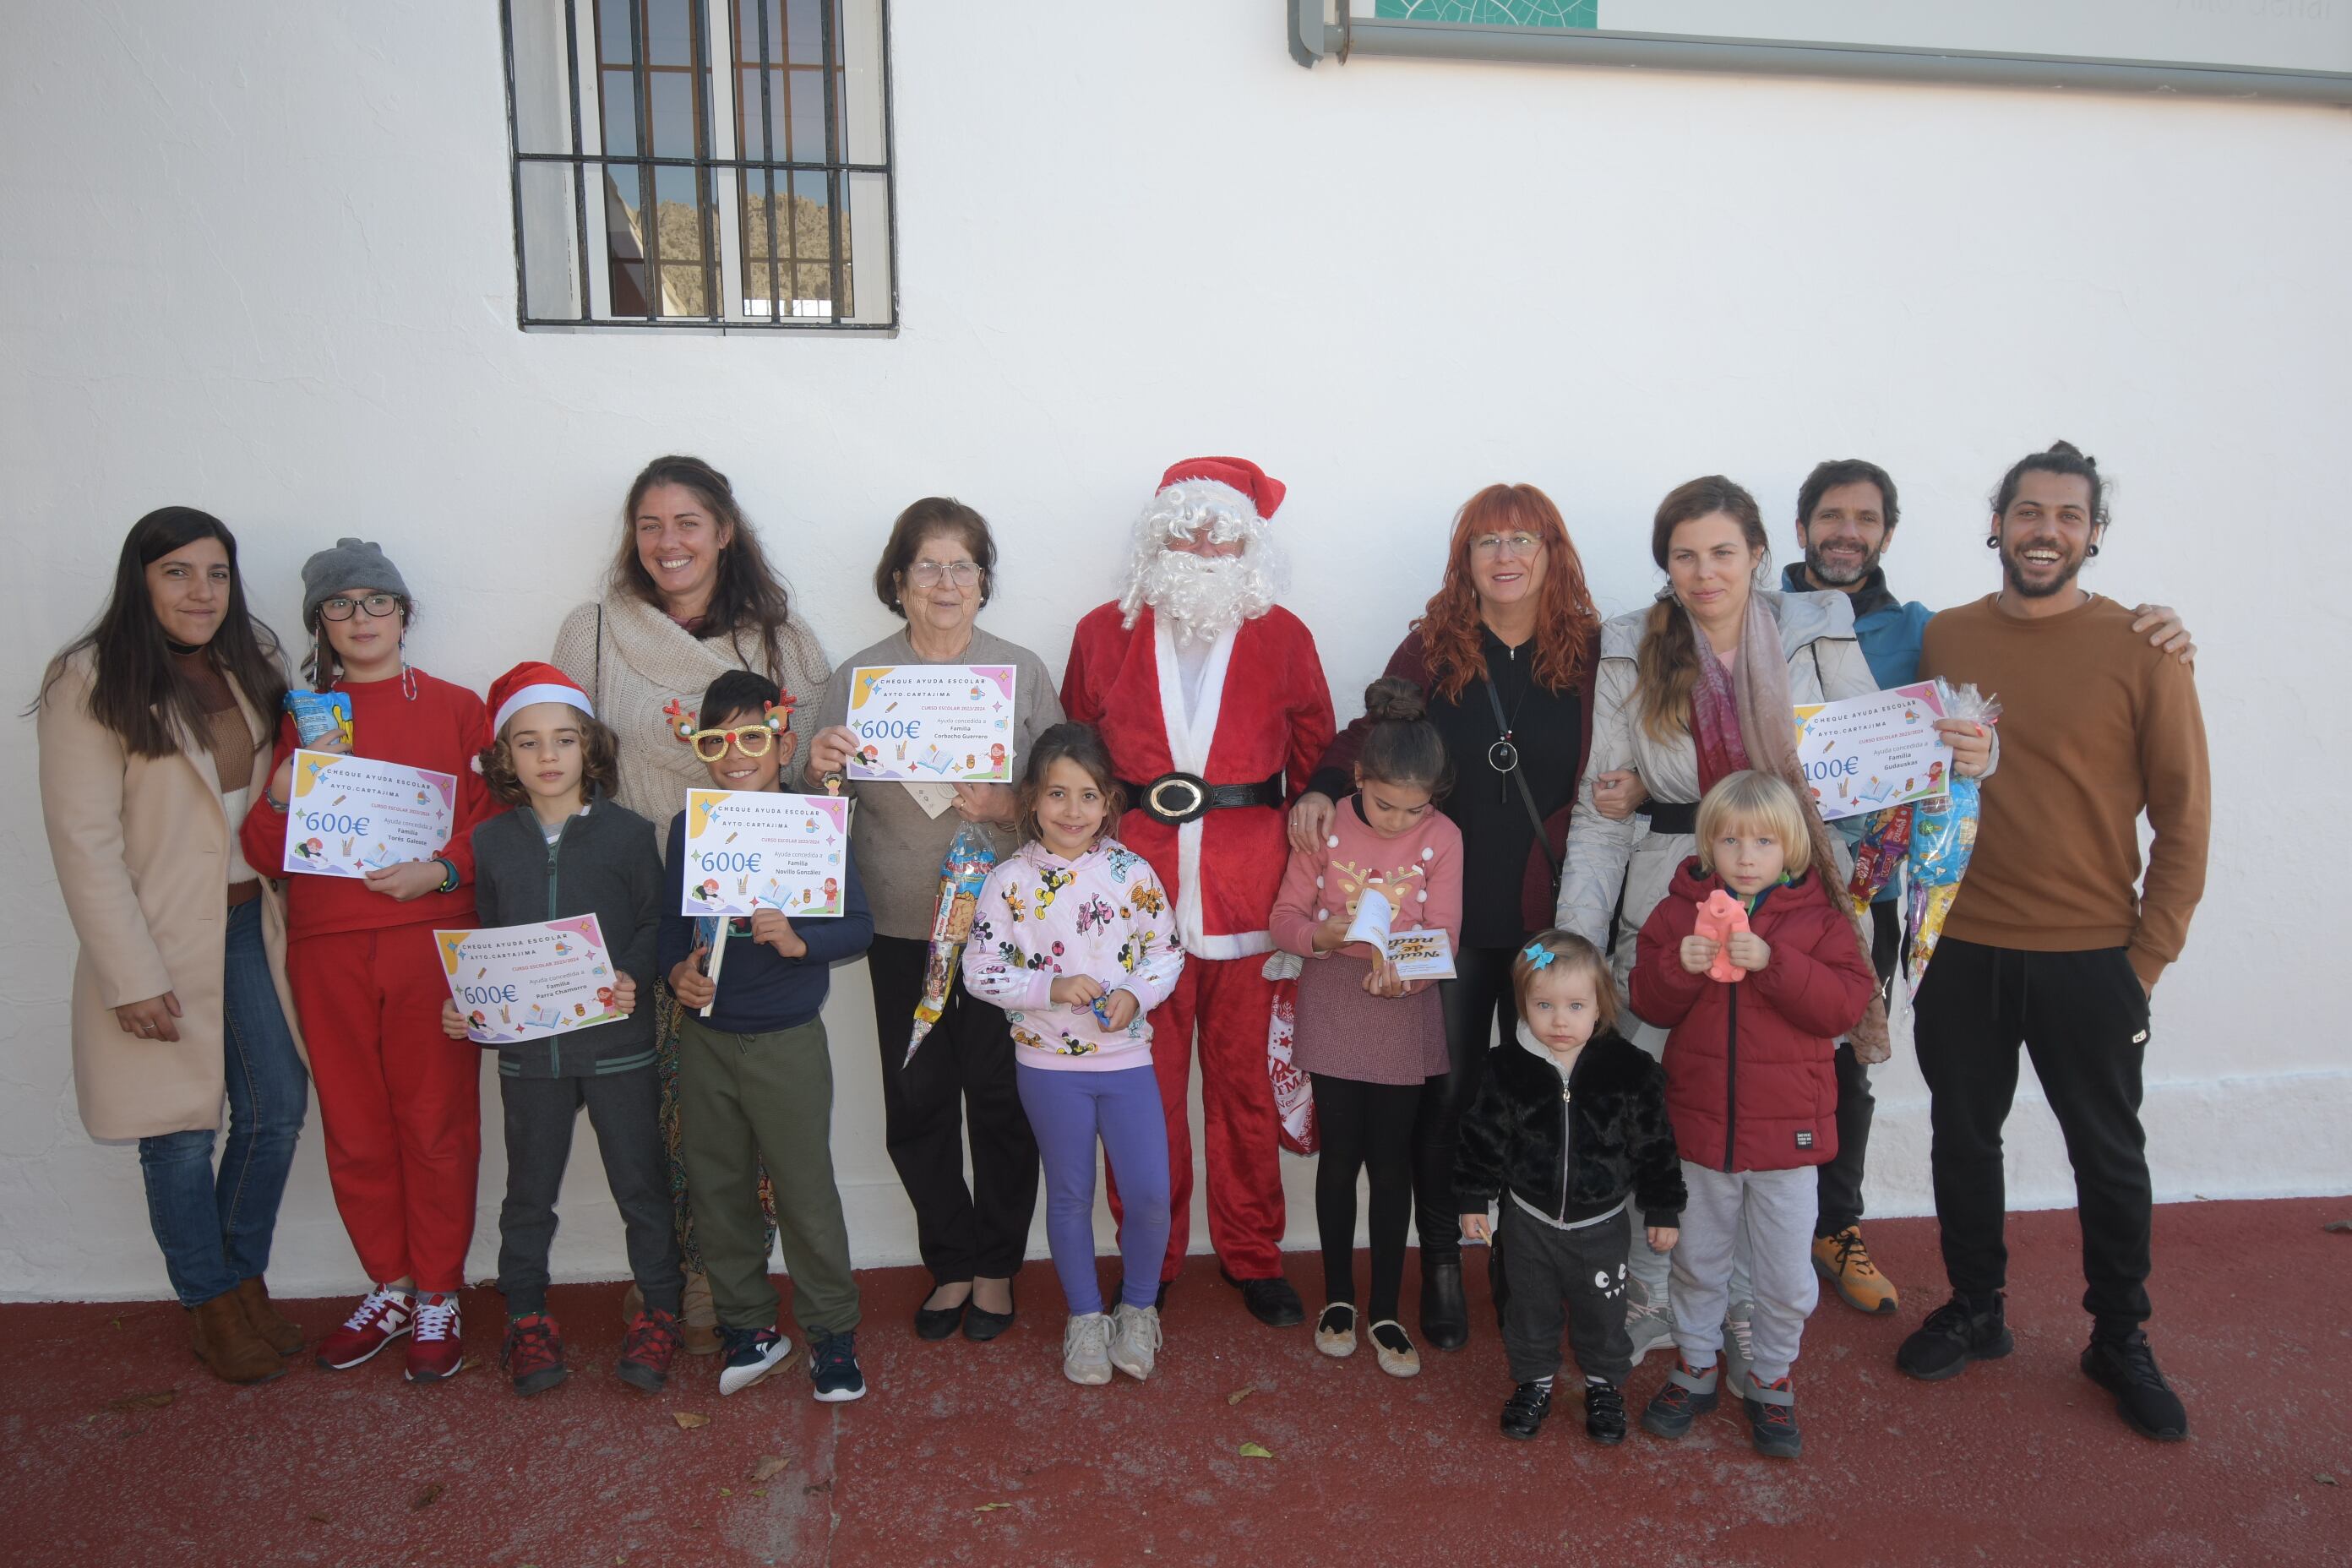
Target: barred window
[(653, 187)]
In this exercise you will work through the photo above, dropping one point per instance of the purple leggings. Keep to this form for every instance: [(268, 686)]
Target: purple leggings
[(1067, 1110)]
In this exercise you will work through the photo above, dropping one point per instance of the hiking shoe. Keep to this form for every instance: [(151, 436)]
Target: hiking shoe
[(1844, 1262), (1685, 1395), (750, 1355), (1134, 1340), (1604, 1413), (1271, 1301), (436, 1350), (2124, 1366), (1738, 1343), (383, 1316), (647, 1349), (532, 1355), (1525, 1410), (1085, 1349), (1771, 1418), (1394, 1349), (834, 1369), (1649, 1324), (1955, 1335), (1335, 1330)]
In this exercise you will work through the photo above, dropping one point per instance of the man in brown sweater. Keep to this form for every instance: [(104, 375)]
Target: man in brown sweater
[(2056, 941)]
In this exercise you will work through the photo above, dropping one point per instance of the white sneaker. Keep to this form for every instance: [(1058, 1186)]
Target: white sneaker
[(1738, 1343), (752, 1354), (1085, 1349), (1135, 1339), (1648, 1324)]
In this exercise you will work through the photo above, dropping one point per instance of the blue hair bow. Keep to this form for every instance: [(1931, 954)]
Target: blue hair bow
[(1538, 955)]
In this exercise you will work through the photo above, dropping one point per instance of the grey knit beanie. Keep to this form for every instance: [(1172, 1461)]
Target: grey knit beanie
[(352, 564)]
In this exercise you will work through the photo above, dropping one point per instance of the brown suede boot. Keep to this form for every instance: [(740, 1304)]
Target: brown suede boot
[(276, 1331), (227, 1345), (698, 1320)]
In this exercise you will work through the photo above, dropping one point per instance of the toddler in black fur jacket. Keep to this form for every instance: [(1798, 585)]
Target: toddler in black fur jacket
[(1570, 1121)]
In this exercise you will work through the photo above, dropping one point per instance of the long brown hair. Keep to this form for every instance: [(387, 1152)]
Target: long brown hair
[(137, 691), (748, 595), (1667, 670), (1079, 743), (1565, 619)]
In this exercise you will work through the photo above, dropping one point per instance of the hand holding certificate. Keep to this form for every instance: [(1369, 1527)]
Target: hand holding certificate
[(936, 724), (1871, 753), (524, 982), (351, 815), (747, 851), (1418, 953)]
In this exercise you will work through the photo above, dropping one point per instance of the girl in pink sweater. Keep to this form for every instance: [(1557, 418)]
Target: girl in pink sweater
[(1074, 939), (1368, 1037)]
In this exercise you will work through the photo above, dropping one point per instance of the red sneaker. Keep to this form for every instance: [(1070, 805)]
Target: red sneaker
[(382, 1318), (653, 1338), (434, 1351), (533, 1354)]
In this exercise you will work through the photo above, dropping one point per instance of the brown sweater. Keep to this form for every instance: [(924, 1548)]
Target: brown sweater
[(2095, 727)]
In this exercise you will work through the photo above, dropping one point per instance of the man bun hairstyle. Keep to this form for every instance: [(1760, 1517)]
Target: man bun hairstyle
[(2061, 457), (1402, 746), (1827, 476)]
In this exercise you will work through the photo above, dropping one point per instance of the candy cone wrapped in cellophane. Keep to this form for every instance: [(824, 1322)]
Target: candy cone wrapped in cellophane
[(1943, 836), (971, 856)]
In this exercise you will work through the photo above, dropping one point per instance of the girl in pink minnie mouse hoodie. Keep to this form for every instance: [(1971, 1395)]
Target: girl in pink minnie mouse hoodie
[(1074, 939)]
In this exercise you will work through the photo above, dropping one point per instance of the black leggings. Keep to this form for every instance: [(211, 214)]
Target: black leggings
[(1476, 1001), (1364, 1125)]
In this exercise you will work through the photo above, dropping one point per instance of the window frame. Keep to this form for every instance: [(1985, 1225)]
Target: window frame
[(730, 179)]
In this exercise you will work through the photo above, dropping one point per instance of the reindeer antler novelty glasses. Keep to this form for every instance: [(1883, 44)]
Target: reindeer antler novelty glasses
[(747, 740)]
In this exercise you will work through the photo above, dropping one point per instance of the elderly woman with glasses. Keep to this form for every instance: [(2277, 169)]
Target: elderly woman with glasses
[(1506, 651), (936, 572)]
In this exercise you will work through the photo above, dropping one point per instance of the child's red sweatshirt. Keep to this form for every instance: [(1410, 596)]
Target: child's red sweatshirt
[(442, 727)]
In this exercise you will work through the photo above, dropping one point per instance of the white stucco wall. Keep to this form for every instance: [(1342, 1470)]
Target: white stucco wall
[(259, 259)]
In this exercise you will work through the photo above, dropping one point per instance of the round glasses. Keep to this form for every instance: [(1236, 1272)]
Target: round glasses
[(1488, 546), (928, 574), (341, 606), (750, 740)]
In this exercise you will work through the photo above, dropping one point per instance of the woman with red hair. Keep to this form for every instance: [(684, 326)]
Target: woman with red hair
[(1506, 652)]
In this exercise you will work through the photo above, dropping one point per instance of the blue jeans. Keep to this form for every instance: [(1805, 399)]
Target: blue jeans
[(214, 1229)]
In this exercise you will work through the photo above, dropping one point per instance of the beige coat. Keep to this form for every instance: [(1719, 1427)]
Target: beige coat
[(141, 846)]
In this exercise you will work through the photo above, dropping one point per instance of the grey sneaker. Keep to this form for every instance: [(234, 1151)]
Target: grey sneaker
[(1134, 1340), (1650, 1325), (1738, 1343), (1085, 1349)]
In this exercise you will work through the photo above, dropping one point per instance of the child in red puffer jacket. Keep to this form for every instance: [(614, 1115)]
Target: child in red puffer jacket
[(1751, 1087)]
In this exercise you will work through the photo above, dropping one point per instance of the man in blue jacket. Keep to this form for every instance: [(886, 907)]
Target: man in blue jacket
[(1846, 512)]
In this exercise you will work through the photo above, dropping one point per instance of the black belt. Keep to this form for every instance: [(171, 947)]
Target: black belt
[(1672, 817), (1179, 798)]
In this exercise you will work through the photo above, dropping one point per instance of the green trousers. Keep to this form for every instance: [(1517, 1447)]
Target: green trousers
[(748, 1098)]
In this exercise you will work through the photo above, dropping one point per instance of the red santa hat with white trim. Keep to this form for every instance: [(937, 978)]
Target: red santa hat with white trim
[(1251, 486), (529, 682)]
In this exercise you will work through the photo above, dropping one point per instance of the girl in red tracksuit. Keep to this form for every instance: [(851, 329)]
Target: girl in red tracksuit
[(1751, 1085), (400, 1100)]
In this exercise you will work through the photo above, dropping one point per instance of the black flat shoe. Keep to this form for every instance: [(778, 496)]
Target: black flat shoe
[(981, 1325), (1445, 1315), (1271, 1301), (938, 1322)]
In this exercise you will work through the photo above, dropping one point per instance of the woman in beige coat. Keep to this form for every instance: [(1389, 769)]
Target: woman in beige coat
[(152, 727)]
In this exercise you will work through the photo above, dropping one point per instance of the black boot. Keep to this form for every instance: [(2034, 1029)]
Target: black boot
[(1445, 1315), (1271, 1301)]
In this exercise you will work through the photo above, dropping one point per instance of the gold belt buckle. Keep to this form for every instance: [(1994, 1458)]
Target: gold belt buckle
[(1195, 804)]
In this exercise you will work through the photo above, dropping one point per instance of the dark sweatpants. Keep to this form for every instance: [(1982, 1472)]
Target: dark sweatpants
[(1565, 1280), (624, 1108), (2084, 1019), (1841, 1179)]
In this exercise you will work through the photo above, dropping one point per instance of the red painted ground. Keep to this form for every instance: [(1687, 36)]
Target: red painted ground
[(2018, 1461)]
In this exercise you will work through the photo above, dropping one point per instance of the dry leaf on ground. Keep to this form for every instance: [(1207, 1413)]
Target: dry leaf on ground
[(990, 1507), (426, 1497), (1238, 1394), (769, 1469), (687, 1421), (155, 1401), (1251, 1451)]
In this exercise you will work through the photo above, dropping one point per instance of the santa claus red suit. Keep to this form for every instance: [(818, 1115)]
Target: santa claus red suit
[(1212, 703)]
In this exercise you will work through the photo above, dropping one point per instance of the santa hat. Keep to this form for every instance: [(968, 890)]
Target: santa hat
[(529, 682), (1250, 484)]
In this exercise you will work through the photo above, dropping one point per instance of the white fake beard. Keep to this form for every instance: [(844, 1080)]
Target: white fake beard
[(1203, 596)]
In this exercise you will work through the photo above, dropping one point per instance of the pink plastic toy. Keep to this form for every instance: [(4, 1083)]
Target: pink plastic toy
[(1717, 918)]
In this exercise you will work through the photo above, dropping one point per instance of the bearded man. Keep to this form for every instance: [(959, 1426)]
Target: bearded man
[(1212, 703)]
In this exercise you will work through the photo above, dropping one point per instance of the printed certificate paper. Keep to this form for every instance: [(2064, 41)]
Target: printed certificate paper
[(939, 723), (351, 815), (523, 983), (1875, 752), (748, 850), (1422, 953)]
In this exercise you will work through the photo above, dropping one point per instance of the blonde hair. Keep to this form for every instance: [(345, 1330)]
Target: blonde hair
[(1570, 954), (1751, 799)]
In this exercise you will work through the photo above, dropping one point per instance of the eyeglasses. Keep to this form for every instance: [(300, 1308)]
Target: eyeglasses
[(750, 740), (1488, 546), (341, 606), (927, 574)]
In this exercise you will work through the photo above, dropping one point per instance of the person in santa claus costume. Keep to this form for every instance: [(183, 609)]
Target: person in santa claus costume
[(1212, 703)]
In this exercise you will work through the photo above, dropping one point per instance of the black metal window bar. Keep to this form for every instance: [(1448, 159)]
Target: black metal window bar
[(653, 191)]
